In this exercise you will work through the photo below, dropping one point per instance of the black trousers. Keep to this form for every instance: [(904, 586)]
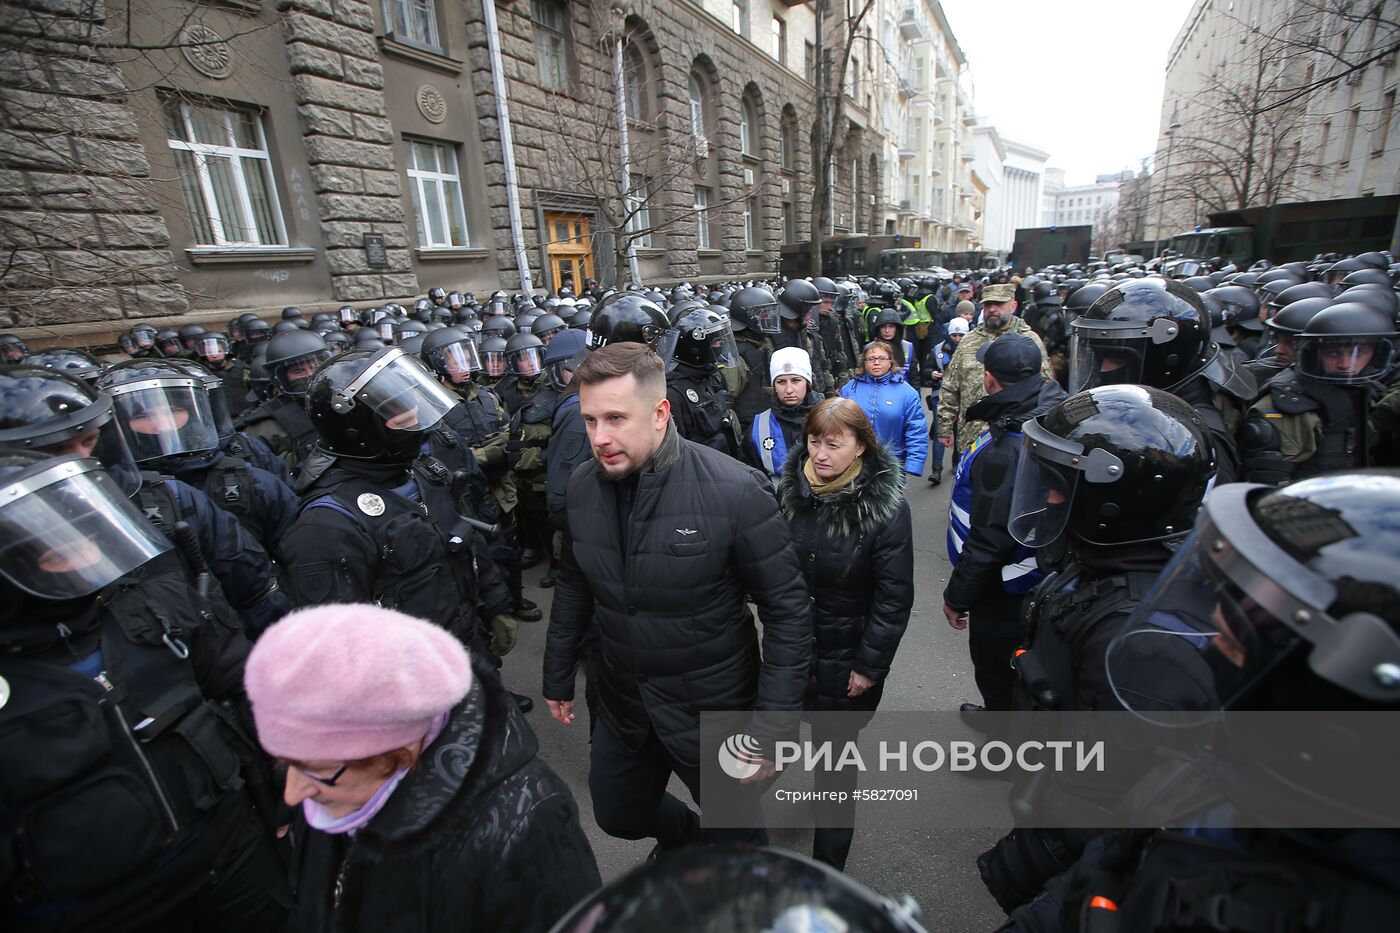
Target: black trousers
[(630, 800), (993, 635)]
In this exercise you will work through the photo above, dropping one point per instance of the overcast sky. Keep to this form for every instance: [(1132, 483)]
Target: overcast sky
[(1040, 69)]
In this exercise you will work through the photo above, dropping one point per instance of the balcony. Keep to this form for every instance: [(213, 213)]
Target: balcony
[(912, 25), (906, 88), (907, 150), (935, 169), (906, 208), (967, 156)]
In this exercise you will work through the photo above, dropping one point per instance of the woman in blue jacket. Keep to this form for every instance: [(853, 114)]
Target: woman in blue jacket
[(893, 407)]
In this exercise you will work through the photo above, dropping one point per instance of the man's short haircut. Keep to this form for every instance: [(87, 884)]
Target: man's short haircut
[(620, 359)]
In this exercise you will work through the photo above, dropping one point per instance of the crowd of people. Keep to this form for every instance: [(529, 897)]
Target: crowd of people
[(259, 582)]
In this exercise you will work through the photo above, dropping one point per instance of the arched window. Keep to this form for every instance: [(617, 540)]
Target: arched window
[(697, 107), (748, 129), (634, 82)]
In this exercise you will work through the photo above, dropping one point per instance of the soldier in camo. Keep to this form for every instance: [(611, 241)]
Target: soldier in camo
[(962, 380)]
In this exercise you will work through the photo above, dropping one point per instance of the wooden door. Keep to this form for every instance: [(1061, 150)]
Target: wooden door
[(570, 249)]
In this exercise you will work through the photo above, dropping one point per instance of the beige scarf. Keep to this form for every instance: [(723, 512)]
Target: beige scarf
[(822, 487)]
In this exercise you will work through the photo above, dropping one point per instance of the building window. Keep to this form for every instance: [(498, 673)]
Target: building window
[(748, 130), (634, 77), (855, 79), (639, 211), (789, 222), (1381, 133), (809, 62), (697, 107), (412, 21), (702, 217), (436, 189), (750, 219), (551, 44), (1348, 141), (780, 40), (741, 17), (225, 174), (787, 142)]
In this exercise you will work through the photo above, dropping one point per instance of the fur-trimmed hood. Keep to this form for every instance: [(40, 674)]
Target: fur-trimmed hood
[(868, 502)]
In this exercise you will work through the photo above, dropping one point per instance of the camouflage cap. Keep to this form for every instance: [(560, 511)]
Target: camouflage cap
[(998, 293)]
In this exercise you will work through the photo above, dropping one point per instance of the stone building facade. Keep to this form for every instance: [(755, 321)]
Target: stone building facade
[(209, 158)]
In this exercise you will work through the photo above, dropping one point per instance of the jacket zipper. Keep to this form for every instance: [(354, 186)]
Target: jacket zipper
[(166, 809)]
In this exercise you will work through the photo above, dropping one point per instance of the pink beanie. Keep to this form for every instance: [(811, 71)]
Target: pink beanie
[(341, 682)]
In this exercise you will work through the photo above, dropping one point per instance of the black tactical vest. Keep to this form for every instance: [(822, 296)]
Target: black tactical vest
[(1339, 408), (102, 777), (698, 406)]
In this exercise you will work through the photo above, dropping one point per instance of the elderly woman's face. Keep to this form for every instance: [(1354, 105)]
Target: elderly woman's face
[(832, 453), (349, 790)]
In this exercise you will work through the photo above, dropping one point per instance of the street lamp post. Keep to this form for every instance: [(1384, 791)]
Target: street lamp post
[(1166, 170)]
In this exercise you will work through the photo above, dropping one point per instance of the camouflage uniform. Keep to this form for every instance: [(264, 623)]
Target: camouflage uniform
[(962, 382)]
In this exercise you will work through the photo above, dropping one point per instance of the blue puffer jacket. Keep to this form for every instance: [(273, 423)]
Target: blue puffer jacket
[(894, 408)]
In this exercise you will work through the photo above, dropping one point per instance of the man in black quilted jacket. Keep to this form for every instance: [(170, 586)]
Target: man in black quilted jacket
[(664, 540)]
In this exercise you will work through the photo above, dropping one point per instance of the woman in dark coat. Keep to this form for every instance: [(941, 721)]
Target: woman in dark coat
[(421, 803), (842, 493)]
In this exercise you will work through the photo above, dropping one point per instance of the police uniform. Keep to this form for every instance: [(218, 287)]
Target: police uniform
[(1320, 424), (282, 423), (700, 406)]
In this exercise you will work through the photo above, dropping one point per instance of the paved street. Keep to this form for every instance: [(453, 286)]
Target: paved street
[(931, 672)]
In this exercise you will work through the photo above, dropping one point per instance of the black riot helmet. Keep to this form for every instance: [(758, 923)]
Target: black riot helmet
[(256, 330), (525, 320), (493, 355), (826, 288), (627, 317), (1341, 268), (1348, 343), (213, 384), (754, 308), (292, 313), (1380, 297), (56, 414), (210, 348), (797, 300), (127, 341), (1276, 346), (422, 309), (410, 328), (704, 338), (79, 364), (67, 527), (525, 355), (165, 413), (546, 326), (285, 327), (437, 295), (144, 334), (1112, 465), (1282, 599), (347, 315), (581, 319), (188, 334), (376, 405), (1368, 276), (452, 354), (338, 341), (455, 301), (704, 888), (1148, 331), (1239, 307), (498, 326), (292, 358), (1082, 297), (168, 343), (12, 349), (1297, 292)]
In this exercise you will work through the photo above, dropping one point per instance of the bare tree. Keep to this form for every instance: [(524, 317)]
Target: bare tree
[(829, 124)]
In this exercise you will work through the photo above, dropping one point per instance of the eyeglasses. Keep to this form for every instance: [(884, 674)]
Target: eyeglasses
[(327, 781), (877, 359)]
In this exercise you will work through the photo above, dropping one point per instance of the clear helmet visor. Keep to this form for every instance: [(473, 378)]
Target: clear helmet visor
[(293, 377), (1275, 348), (348, 316), (766, 320), (166, 420), (1344, 359), (1102, 361), (493, 362), (106, 444), (456, 361), (144, 339), (68, 530), (385, 328), (211, 347), (1040, 504), (724, 349), (528, 361), (406, 396), (218, 403)]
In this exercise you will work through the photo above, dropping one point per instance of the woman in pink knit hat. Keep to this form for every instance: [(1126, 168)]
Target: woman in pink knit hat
[(422, 805)]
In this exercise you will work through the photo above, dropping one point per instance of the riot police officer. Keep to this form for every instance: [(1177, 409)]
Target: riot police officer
[(694, 387), (530, 398), (56, 415), (839, 361), (797, 306), (13, 349), (281, 421), (1282, 600), (171, 423), (379, 521), (1156, 332), (753, 317), (1321, 406), (1113, 478), (128, 771)]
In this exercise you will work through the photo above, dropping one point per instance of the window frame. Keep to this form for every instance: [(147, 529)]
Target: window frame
[(541, 33), (748, 129), (432, 43), (418, 177), (200, 152), (739, 17), (779, 29), (696, 92), (639, 210), (634, 82), (702, 218), (752, 240)]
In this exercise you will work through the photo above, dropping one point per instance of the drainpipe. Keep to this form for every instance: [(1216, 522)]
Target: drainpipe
[(498, 84), (624, 154)]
